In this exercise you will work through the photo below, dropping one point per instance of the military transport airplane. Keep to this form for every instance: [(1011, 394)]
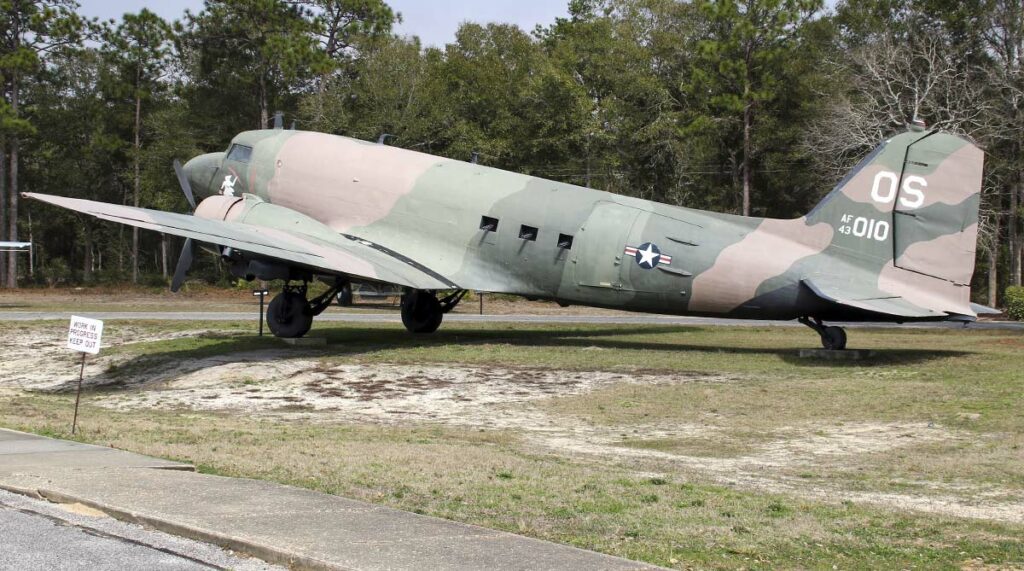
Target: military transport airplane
[(894, 241)]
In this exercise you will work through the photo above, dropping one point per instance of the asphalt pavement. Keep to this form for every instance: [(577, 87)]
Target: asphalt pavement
[(394, 317), (41, 535)]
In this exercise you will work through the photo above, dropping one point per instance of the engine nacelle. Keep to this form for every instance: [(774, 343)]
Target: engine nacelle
[(250, 209), (220, 207)]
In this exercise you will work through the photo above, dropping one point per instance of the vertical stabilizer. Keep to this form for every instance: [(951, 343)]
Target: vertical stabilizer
[(914, 200), (909, 212)]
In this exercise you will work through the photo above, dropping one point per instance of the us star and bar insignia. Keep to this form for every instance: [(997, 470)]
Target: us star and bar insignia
[(648, 255)]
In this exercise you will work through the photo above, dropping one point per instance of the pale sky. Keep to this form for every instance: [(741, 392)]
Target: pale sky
[(434, 21)]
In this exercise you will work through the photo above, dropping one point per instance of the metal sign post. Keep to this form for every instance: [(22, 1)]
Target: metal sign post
[(84, 336), (261, 293), (78, 394)]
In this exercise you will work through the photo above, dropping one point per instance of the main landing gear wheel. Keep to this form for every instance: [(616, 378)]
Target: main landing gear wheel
[(289, 315), (832, 338), (421, 311)]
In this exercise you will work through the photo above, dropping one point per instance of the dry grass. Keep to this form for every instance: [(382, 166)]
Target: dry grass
[(743, 394), (486, 478)]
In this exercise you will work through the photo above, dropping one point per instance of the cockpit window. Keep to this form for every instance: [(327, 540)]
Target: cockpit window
[(240, 153)]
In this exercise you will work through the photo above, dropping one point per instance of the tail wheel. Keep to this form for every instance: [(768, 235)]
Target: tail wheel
[(288, 315), (833, 338), (421, 312)]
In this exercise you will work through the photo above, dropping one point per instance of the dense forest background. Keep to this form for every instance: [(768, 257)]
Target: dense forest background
[(743, 106)]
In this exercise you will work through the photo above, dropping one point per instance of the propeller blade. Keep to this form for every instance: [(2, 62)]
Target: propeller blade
[(184, 263), (186, 187)]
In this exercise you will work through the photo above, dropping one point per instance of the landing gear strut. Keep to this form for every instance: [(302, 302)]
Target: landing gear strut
[(422, 312), (832, 338), (290, 315)]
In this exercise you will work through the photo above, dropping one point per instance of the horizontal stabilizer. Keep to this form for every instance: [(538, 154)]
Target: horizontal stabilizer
[(866, 297), (984, 310)]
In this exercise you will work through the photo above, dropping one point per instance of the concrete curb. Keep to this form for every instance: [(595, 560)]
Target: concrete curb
[(22, 491), (267, 553)]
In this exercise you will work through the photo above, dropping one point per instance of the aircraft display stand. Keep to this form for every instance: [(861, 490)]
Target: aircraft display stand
[(305, 341), (837, 355)]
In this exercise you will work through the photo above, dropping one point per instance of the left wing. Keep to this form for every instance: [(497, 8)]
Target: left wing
[(345, 255)]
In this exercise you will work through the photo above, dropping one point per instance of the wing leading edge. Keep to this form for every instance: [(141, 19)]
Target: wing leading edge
[(347, 256)]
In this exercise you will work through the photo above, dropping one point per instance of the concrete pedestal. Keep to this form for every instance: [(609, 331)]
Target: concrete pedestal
[(306, 342), (830, 355)]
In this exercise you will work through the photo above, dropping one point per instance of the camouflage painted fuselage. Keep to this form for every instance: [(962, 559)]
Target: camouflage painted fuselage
[(900, 230)]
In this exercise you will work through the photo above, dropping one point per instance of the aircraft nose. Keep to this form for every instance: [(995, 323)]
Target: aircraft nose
[(200, 172)]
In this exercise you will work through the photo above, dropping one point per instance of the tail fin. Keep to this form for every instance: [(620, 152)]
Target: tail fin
[(913, 201)]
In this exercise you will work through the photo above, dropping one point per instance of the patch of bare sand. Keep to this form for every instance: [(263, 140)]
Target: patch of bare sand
[(306, 388), (814, 447), (37, 359)]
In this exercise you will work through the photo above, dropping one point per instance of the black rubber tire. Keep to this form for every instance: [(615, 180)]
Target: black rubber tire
[(344, 296), (288, 315), (834, 338), (421, 312)]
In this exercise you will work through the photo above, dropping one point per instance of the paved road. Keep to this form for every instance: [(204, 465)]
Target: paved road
[(40, 535), (337, 316)]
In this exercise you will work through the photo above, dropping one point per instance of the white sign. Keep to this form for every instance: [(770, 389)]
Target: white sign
[(85, 334)]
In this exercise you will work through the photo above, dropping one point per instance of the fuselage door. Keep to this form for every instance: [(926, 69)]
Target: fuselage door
[(601, 243)]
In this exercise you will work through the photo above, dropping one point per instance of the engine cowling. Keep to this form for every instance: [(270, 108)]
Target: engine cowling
[(220, 207), (251, 209)]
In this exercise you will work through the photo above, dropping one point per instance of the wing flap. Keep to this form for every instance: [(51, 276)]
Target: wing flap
[(867, 298), (345, 256)]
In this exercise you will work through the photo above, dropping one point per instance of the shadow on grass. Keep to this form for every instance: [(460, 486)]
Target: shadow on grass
[(349, 340)]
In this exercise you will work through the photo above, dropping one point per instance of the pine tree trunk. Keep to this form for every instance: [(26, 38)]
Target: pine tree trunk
[(3, 208), (1019, 251), (264, 111), (993, 265), (321, 89), (12, 201), (135, 200), (746, 160), (87, 260), (748, 117), (1014, 235), (993, 279), (120, 251), (31, 251), (163, 254)]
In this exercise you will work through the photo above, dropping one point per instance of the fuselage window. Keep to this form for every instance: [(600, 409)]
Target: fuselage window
[(527, 233), (565, 241), (488, 224), (240, 153)]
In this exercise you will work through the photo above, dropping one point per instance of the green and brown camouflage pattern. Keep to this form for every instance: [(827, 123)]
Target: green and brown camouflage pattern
[(895, 240)]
